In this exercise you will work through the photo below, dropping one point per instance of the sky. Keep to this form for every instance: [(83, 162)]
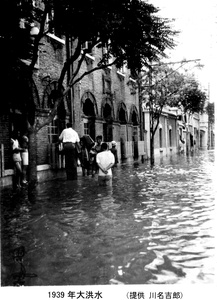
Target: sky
[(197, 22)]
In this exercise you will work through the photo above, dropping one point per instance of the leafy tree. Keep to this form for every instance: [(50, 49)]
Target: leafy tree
[(129, 29), (163, 86), (192, 98)]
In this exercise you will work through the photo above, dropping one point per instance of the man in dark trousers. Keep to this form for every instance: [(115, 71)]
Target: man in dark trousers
[(69, 137), (93, 152), (115, 152)]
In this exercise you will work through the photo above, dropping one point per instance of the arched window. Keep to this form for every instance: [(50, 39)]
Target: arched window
[(88, 105), (134, 118), (88, 108), (90, 112), (53, 133), (122, 113), (107, 111), (122, 116)]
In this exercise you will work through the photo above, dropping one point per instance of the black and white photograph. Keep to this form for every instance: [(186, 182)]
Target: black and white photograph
[(107, 149)]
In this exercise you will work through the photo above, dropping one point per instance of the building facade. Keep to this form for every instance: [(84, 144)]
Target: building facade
[(106, 103)]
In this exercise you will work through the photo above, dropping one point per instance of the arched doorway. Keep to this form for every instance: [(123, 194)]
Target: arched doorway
[(89, 109), (122, 117), (107, 126), (134, 120), (203, 139)]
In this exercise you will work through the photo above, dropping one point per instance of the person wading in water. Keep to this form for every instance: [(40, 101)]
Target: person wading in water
[(69, 137)]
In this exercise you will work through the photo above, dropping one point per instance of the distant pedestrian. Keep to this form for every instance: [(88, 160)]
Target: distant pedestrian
[(84, 157), (115, 152), (191, 142), (93, 152), (181, 145), (69, 137), (105, 160), (86, 143), (24, 141), (16, 156)]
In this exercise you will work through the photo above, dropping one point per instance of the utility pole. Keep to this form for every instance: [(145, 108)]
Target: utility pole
[(151, 118)]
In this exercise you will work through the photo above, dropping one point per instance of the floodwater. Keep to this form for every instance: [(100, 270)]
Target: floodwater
[(153, 226)]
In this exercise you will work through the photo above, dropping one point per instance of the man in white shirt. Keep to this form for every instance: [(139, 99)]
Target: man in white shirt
[(105, 161), (69, 137)]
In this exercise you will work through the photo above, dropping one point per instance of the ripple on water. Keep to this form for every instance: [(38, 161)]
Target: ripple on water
[(155, 225)]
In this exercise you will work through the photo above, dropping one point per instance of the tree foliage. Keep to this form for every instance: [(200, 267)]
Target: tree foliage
[(160, 87), (129, 29), (193, 99), (168, 87)]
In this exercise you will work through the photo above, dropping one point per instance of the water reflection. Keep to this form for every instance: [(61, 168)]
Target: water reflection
[(154, 225)]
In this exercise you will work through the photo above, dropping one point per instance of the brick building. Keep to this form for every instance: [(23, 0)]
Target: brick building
[(106, 103)]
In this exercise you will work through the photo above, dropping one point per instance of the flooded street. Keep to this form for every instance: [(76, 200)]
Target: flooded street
[(153, 226)]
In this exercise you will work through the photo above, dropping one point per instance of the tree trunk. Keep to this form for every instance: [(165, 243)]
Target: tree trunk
[(152, 149), (152, 132), (32, 158)]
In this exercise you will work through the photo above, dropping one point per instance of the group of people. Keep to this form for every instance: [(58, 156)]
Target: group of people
[(20, 156), (94, 157)]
